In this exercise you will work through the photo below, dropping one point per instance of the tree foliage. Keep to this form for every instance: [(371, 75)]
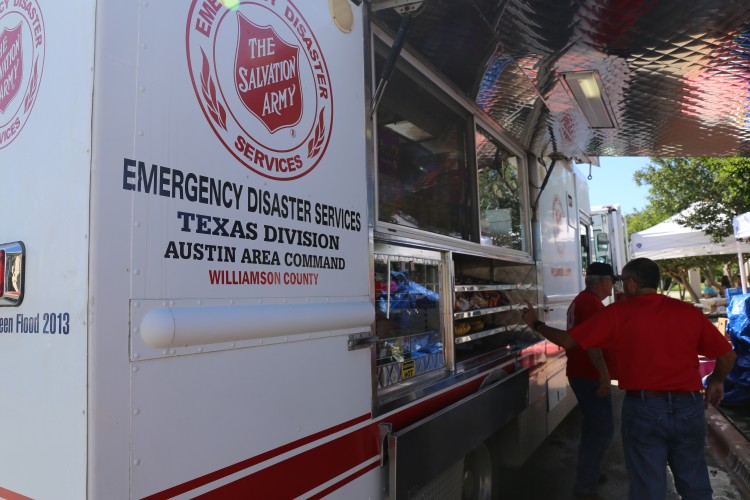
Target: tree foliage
[(644, 219), (717, 190), (710, 266), (720, 184)]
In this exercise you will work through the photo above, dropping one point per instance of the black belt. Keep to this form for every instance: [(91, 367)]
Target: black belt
[(663, 394)]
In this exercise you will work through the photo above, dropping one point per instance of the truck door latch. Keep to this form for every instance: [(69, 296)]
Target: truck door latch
[(360, 342)]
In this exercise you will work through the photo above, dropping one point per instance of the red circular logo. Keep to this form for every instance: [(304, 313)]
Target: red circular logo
[(262, 82), (22, 42)]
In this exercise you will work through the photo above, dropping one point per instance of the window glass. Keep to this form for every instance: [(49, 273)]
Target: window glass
[(407, 318), (585, 247), (500, 212), (601, 238), (423, 173)]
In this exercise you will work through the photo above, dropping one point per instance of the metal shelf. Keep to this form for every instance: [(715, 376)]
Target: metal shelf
[(482, 312), (484, 333), (487, 288), (420, 363), (479, 335)]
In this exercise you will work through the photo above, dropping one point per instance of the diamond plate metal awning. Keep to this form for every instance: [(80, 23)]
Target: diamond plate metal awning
[(676, 73)]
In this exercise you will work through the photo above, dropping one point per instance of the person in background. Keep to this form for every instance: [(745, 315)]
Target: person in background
[(725, 283), (657, 341), (709, 290), (589, 373)]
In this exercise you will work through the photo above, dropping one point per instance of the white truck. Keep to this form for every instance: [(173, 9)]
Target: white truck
[(610, 243), (610, 236), (223, 276)]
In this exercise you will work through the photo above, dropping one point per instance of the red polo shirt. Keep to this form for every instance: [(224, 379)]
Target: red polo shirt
[(657, 341), (584, 306)]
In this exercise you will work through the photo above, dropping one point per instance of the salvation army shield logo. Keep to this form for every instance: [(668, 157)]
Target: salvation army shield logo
[(261, 79), (22, 44), (11, 65), (267, 75)]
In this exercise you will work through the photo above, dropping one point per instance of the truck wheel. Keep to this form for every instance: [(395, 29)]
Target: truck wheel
[(480, 481)]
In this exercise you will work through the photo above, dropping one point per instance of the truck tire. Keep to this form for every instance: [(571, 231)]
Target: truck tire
[(481, 478)]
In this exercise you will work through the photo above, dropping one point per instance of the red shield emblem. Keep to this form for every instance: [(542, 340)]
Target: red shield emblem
[(267, 75), (11, 65)]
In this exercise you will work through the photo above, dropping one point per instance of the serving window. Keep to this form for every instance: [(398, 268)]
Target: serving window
[(500, 207), (408, 314), (437, 172), (423, 167), (451, 267)]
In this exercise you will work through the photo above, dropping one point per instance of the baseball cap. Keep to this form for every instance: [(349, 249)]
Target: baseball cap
[(600, 269)]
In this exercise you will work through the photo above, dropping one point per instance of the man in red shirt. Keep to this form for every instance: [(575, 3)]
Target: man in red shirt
[(657, 341), (589, 374)]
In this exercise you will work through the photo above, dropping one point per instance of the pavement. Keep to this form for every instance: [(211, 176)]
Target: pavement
[(729, 437), (550, 471), (731, 447)]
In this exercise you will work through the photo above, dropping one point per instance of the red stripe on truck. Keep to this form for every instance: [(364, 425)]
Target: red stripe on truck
[(301, 473), (314, 467), (221, 473), (12, 495), (344, 481)]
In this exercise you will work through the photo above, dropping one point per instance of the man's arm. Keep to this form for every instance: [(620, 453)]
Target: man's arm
[(559, 337), (715, 388), (597, 359)]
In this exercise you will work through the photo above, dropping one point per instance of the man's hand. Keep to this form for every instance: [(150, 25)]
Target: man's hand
[(597, 359), (559, 337), (605, 387), (715, 382), (528, 314), (714, 392)]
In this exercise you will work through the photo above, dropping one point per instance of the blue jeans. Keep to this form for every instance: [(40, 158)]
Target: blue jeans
[(657, 432), (597, 430)]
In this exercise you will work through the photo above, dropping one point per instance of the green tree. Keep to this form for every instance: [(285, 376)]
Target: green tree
[(719, 183), (676, 270), (644, 219), (678, 183)]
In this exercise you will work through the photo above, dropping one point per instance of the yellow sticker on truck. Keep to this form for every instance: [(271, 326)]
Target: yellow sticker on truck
[(408, 369)]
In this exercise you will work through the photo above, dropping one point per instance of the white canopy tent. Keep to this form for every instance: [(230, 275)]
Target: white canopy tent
[(741, 225), (671, 240)]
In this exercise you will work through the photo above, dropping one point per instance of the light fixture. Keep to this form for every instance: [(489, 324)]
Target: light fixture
[(586, 88), (409, 131), (341, 12)]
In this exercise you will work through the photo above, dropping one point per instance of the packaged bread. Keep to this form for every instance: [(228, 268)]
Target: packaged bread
[(461, 328)]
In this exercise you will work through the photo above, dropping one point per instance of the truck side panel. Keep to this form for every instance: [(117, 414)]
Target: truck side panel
[(561, 252), (113, 121), (202, 413), (232, 257), (45, 143)]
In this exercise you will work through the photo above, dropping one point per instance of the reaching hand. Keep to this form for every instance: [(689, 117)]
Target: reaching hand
[(528, 314)]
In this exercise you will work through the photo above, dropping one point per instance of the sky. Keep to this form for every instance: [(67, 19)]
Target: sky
[(613, 182)]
